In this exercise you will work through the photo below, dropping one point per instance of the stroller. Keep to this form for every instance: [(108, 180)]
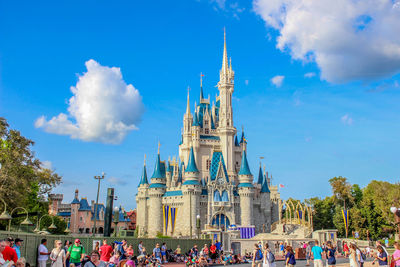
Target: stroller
[(170, 256)]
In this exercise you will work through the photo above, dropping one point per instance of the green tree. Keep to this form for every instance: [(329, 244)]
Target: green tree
[(323, 210), (341, 191)]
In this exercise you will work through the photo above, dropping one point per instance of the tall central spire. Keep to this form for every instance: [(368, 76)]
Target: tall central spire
[(188, 103), (225, 65)]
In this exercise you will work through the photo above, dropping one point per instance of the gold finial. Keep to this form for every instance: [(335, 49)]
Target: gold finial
[(201, 79), (145, 159), (159, 147)]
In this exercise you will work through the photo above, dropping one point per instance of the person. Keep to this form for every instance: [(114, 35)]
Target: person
[(359, 256), (57, 255), (97, 246), (289, 257), (205, 251), (21, 262), (195, 251), (282, 248), (67, 244), (317, 253), (95, 260), (76, 253), (379, 243), (382, 257), (129, 250), (269, 258), (164, 252), (140, 248), (17, 246), (353, 256), (308, 254), (157, 253), (2, 247), (396, 254), (114, 260), (105, 251), (178, 251), (9, 254), (257, 256), (129, 263), (331, 252), (43, 253), (122, 249), (346, 249)]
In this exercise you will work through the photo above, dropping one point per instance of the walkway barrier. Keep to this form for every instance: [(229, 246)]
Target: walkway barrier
[(32, 241)]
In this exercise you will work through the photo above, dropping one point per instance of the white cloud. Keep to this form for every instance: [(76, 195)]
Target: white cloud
[(103, 107), (277, 80), (346, 119), (309, 75), (47, 165), (349, 40), (116, 181)]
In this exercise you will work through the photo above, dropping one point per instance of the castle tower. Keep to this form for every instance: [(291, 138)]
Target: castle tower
[(187, 129), (55, 202), (226, 129), (155, 193), (246, 192), (75, 204), (191, 190), (266, 202), (141, 200)]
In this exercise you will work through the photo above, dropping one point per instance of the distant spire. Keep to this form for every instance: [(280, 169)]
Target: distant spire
[(236, 141), (243, 138), (191, 166), (143, 179), (195, 119), (244, 167), (201, 86), (260, 176), (188, 102), (225, 57), (264, 187), (158, 173)]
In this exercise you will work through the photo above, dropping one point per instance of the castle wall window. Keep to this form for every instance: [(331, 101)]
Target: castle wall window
[(224, 196), (206, 131), (208, 164)]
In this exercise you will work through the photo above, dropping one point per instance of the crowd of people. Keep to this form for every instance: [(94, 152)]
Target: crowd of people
[(122, 254)]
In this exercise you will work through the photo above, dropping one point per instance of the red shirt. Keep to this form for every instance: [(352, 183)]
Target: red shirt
[(105, 252), (9, 254), (213, 248)]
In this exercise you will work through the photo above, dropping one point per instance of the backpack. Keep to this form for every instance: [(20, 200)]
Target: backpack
[(259, 255), (271, 257)]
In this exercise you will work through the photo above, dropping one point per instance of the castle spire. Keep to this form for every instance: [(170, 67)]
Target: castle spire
[(191, 166), (264, 187), (188, 102), (143, 179), (244, 167), (158, 169), (201, 86), (225, 65), (260, 176)]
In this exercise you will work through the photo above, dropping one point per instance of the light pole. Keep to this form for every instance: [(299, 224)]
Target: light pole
[(52, 226), (99, 178), (25, 222), (396, 212), (116, 220), (198, 225)]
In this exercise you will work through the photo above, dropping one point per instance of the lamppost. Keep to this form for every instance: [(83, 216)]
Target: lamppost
[(52, 226), (198, 225), (116, 220), (25, 222), (5, 215), (396, 212), (99, 178)]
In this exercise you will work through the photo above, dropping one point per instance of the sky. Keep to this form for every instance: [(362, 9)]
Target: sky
[(97, 84)]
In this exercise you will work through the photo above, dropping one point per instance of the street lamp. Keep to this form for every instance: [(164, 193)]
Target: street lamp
[(99, 178), (5, 215), (396, 212), (52, 226), (198, 225), (116, 220), (25, 222)]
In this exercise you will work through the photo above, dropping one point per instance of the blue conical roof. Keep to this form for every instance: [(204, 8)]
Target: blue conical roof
[(244, 167), (158, 173), (243, 139), (260, 176), (236, 141), (143, 179), (180, 174), (191, 166), (264, 187), (201, 93), (195, 119)]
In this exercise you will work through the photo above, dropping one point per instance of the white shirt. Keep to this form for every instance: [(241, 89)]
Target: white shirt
[(42, 248)]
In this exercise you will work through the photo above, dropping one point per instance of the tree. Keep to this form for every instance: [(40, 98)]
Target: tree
[(323, 211), (341, 191), (23, 180)]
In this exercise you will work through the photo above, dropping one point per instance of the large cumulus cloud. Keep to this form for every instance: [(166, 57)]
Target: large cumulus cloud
[(103, 107), (348, 39)]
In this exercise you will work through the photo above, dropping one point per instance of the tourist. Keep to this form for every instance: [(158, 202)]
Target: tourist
[(114, 260), (67, 244), (219, 246), (17, 246), (353, 256), (289, 257), (97, 246), (178, 251), (157, 253), (205, 251), (346, 249), (122, 249), (282, 249), (331, 252), (43, 253), (360, 256), (21, 262), (308, 254), (317, 254), (129, 263), (95, 260), (129, 251), (2, 261), (382, 257), (140, 248), (379, 243), (76, 253), (396, 254), (164, 252), (105, 251), (257, 256), (9, 253), (269, 258), (57, 255)]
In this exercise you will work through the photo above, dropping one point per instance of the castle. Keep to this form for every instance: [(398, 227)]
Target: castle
[(210, 187)]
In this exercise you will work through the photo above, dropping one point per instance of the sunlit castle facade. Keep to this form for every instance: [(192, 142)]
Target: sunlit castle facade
[(211, 182)]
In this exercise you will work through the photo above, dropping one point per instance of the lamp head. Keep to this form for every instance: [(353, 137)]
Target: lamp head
[(393, 209), (27, 222), (198, 216), (5, 216), (52, 226)]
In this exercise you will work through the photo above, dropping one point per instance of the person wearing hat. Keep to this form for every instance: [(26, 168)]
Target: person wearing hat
[(17, 246), (8, 253), (76, 253)]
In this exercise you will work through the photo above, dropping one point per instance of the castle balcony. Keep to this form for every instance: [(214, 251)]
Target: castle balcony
[(225, 204)]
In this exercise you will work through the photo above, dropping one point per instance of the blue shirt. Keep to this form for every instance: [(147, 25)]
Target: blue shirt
[(218, 245), (317, 252), (18, 250), (383, 255), (292, 260)]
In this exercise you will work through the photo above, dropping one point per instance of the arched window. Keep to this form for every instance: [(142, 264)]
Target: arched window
[(221, 221), (217, 196), (224, 196)]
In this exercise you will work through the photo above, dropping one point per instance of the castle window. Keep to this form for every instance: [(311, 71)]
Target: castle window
[(206, 131), (80, 218), (206, 122), (208, 164)]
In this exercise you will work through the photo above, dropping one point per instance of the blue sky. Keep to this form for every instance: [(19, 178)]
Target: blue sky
[(343, 119)]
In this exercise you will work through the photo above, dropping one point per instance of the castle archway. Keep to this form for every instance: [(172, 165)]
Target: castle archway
[(221, 221)]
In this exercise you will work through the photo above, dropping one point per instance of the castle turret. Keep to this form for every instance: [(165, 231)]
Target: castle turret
[(260, 177), (265, 202), (75, 204), (141, 201), (156, 191), (246, 192)]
